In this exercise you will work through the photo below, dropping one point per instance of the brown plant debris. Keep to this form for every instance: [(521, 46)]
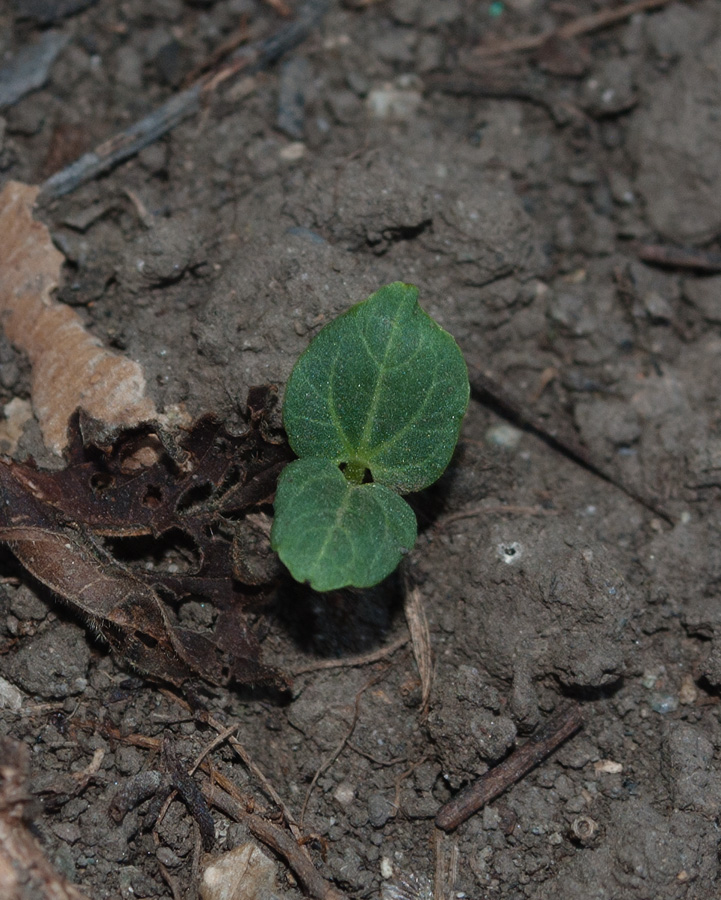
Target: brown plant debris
[(561, 726), (189, 500), (70, 367)]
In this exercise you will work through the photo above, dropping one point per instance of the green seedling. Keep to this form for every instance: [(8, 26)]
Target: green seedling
[(373, 409)]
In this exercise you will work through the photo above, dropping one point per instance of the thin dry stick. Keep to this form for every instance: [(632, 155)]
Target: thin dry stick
[(401, 778), (559, 728), (489, 392), (680, 257), (446, 867), (497, 510), (226, 733), (260, 776), (575, 28), (350, 661), (122, 146), (278, 840), (216, 742)]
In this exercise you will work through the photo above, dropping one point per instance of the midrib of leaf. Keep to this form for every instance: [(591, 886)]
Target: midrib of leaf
[(363, 448), (342, 508), (396, 436)]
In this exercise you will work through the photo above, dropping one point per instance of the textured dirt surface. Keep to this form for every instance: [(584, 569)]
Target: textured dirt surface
[(217, 253)]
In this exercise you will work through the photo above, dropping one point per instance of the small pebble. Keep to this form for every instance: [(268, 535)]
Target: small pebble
[(608, 767), (504, 436)]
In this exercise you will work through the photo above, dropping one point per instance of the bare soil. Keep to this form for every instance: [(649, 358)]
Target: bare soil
[(214, 255)]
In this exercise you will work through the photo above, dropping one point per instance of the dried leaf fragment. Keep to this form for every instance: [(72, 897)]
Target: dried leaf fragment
[(70, 367), (193, 494)]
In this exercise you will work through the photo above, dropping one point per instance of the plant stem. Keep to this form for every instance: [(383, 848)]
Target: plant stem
[(355, 472)]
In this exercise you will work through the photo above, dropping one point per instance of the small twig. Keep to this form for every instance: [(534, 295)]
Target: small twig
[(573, 29), (216, 742), (401, 778), (350, 661), (281, 7), (182, 781), (259, 775), (122, 146), (493, 85), (446, 867), (498, 509), (680, 258), (489, 392), (376, 760), (231, 43), (278, 840), (559, 728)]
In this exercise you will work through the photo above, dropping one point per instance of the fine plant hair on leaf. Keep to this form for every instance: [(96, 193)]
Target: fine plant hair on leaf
[(70, 367), (373, 407)]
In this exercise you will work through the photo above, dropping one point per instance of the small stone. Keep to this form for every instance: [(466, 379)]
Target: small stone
[(346, 106), (503, 435), (380, 809), (25, 604), (687, 758), (10, 696), (393, 103), (406, 12), (657, 307), (688, 692), (440, 12), (610, 90), (711, 667), (358, 83), (704, 294), (166, 856), (171, 63), (429, 53), (344, 794), (608, 767), (245, 873), (491, 818), (293, 152)]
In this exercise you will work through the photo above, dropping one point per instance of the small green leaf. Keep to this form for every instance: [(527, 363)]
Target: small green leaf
[(333, 533), (381, 388)]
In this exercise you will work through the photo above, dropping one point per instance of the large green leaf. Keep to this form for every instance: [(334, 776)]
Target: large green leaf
[(381, 388), (333, 533)]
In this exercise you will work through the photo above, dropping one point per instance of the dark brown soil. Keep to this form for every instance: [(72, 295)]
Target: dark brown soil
[(214, 255)]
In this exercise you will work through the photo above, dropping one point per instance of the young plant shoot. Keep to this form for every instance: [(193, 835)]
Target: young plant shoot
[(373, 409)]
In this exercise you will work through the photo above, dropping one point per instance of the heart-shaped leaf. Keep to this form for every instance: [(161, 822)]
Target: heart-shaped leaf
[(332, 533), (373, 408), (381, 388)]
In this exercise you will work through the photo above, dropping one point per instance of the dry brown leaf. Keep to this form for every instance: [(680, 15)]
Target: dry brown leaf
[(70, 367), (54, 523)]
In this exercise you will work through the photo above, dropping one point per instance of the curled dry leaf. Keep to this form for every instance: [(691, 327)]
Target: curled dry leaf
[(192, 499), (70, 367)]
